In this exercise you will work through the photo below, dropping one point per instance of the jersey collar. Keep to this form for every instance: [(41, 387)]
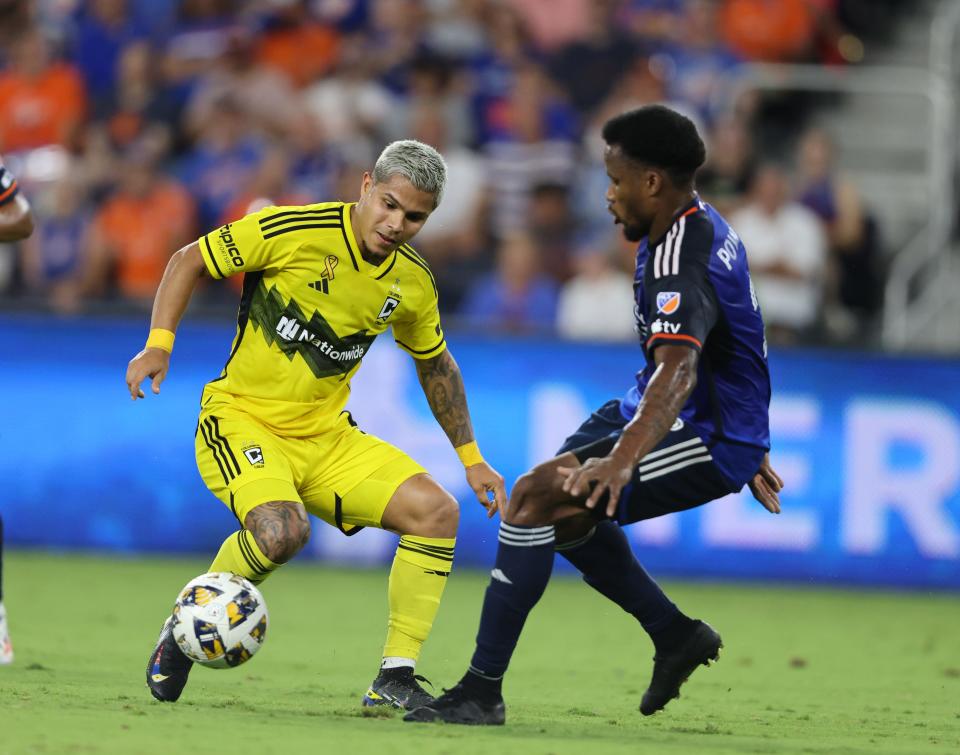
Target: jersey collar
[(694, 205), (374, 271)]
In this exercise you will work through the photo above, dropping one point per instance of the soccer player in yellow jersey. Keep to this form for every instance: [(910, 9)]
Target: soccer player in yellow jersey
[(321, 282)]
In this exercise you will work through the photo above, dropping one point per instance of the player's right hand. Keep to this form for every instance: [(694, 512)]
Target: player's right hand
[(488, 486), (152, 363), (766, 486)]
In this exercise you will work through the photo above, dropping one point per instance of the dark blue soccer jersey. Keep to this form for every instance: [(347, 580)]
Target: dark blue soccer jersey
[(693, 288)]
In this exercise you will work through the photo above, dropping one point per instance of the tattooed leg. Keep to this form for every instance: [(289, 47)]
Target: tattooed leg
[(280, 528)]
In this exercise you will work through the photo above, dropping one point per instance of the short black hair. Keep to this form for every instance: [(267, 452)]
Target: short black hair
[(660, 137)]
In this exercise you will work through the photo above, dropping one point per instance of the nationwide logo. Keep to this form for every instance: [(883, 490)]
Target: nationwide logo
[(286, 325), (668, 302), (323, 285)]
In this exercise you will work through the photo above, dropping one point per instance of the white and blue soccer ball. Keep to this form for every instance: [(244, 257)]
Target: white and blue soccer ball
[(220, 620)]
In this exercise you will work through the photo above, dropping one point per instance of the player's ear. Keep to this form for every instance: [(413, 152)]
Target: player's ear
[(653, 181), (366, 183)]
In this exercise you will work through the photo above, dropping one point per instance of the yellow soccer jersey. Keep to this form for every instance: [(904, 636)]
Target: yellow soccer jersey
[(310, 309)]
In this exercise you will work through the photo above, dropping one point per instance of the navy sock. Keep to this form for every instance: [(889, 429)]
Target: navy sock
[(609, 567), (519, 577)]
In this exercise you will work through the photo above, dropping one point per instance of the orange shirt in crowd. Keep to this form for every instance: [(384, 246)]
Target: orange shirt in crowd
[(143, 232), (776, 31), (42, 110), (302, 53)]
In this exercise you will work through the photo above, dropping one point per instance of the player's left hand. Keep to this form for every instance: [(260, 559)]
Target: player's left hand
[(610, 473), (484, 480), (766, 486)]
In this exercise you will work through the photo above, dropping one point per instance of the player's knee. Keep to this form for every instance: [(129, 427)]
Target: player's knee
[(438, 517), (523, 508), (280, 530)]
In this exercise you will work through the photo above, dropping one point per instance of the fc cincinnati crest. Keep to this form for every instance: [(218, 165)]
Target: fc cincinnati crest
[(668, 302)]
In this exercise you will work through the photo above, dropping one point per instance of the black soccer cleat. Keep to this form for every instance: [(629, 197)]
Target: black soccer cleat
[(399, 688), (670, 670), (461, 706), (168, 668)]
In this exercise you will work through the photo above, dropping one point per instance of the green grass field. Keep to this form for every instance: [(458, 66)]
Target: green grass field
[(803, 670)]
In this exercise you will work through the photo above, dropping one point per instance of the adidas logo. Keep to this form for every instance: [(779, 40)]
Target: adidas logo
[(498, 575), (323, 285)]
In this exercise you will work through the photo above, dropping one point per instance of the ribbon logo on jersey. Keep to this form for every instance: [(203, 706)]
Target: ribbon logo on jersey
[(323, 285), (668, 302)]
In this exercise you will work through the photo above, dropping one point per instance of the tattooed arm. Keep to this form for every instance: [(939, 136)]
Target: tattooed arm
[(442, 384), (668, 390)]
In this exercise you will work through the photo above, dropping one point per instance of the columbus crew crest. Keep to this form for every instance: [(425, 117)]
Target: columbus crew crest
[(391, 303), (254, 454)]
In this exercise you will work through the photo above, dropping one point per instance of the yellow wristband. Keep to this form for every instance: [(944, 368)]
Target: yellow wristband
[(160, 339), (469, 453)]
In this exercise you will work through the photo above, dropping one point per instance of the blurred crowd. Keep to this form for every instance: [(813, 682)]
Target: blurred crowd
[(135, 125)]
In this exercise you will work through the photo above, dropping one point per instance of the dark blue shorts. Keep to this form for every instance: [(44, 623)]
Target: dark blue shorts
[(676, 475)]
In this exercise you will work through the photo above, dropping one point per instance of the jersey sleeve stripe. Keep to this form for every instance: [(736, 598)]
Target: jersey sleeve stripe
[(292, 214), (415, 253), (675, 267), (301, 227), (346, 241), (674, 337), (661, 260), (416, 260), (421, 351), (271, 223), (209, 259)]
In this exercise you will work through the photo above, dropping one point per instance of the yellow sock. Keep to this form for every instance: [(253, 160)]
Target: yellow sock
[(241, 555), (417, 579)]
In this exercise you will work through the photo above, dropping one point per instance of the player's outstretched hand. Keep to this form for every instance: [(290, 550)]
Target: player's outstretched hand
[(766, 486), (152, 363), (484, 480), (608, 472)]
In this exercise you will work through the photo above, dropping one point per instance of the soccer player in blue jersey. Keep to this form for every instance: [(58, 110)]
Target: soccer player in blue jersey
[(692, 428), (16, 222)]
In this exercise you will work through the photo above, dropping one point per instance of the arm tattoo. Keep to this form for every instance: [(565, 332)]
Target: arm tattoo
[(442, 384), (281, 529)]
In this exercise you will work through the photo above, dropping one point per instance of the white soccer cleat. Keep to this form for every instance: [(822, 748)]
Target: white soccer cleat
[(6, 647)]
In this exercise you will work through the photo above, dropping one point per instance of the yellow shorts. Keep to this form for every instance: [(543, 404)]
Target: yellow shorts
[(245, 465)]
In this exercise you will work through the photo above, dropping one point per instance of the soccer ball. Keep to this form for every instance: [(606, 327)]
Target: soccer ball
[(220, 620)]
